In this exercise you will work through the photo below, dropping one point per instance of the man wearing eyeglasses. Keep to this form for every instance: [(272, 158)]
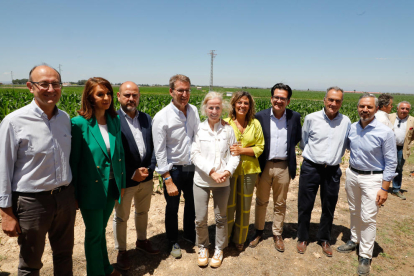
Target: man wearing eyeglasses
[(403, 128), (35, 196), (281, 131), (385, 102), (173, 130), (323, 143)]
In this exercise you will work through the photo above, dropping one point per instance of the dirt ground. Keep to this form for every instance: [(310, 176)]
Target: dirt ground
[(393, 252)]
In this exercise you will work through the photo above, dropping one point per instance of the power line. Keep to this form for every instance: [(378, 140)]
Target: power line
[(213, 55)]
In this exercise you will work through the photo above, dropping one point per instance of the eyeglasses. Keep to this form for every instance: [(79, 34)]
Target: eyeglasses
[(277, 98), (399, 123), (45, 84), (182, 91)]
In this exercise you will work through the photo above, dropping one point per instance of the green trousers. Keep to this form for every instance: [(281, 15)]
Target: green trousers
[(97, 261)]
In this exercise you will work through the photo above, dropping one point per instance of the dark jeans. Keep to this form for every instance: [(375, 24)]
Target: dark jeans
[(41, 214), (396, 182), (183, 179), (311, 177)]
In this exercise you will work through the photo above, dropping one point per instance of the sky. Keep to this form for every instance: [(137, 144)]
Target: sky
[(356, 45)]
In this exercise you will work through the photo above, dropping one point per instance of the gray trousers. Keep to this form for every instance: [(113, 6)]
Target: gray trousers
[(41, 214), (201, 198), (142, 199)]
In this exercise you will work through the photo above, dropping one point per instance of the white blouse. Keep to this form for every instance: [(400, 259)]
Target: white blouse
[(105, 136), (209, 150)]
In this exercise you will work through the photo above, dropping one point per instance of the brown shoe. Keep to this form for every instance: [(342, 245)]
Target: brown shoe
[(239, 246), (301, 247), (123, 261), (115, 273), (279, 245), (326, 248), (255, 241), (147, 247)]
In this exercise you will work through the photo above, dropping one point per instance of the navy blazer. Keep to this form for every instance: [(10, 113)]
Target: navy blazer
[(132, 158), (294, 134)]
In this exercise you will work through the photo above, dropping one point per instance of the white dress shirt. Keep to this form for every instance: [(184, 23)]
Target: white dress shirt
[(278, 137), (324, 140), (34, 152), (383, 117), (173, 134), (400, 130), (209, 151), (135, 128)]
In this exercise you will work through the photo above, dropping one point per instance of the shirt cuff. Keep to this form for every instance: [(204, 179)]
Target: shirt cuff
[(5, 201), (164, 169), (389, 176)]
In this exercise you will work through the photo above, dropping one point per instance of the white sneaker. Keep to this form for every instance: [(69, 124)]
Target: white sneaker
[(202, 256), (217, 258)]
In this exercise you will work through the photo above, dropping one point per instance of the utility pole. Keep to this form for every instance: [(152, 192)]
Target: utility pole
[(60, 70), (11, 74), (213, 55)]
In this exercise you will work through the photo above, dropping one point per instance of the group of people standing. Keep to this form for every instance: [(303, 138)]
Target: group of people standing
[(103, 159)]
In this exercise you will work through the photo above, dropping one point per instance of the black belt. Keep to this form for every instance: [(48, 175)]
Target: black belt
[(366, 172), (400, 147), (51, 192), (276, 160), (184, 168), (319, 165)]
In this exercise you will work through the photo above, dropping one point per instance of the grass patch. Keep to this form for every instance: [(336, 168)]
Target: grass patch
[(405, 226), (385, 255)]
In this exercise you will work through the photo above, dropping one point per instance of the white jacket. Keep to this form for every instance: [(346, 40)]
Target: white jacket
[(209, 150)]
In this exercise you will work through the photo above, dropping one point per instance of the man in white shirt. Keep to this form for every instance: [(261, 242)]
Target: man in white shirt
[(35, 196), (385, 102), (403, 128), (139, 167), (173, 130)]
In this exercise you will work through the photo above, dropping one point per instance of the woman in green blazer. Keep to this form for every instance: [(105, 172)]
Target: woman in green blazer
[(97, 163)]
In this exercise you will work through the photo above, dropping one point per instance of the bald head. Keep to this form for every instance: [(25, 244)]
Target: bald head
[(128, 97), (42, 69)]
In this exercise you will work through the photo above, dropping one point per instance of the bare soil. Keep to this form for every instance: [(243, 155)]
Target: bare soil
[(393, 252)]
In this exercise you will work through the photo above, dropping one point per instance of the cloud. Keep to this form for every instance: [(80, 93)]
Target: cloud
[(6, 73), (381, 58)]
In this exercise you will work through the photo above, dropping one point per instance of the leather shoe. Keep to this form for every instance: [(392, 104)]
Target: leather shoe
[(326, 248), (301, 247), (279, 245), (147, 247), (255, 241), (122, 260), (239, 246), (115, 273)]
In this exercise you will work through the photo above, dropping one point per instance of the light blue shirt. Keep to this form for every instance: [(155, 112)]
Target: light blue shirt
[(373, 148), (278, 137), (135, 128), (324, 140), (173, 134), (34, 152)]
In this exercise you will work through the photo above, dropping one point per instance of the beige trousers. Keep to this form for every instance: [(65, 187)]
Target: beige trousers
[(142, 198), (275, 176)]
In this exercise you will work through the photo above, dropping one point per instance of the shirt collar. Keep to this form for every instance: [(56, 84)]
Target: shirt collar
[(37, 110), (271, 114), (326, 116), (176, 110), (403, 120), (205, 126), (372, 124), (127, 116)]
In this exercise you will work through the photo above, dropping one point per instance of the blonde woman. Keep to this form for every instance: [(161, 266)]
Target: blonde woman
[(210, 153), (249, 146)]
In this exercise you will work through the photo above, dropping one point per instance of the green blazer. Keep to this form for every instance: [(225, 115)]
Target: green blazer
[(90, 162)]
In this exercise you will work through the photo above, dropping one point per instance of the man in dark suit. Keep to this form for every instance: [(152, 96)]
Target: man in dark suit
[(139, 166), (282, 131)]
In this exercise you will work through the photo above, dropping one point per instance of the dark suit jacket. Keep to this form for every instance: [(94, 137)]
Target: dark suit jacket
[(91, 163), (294, 134), (132, 158)]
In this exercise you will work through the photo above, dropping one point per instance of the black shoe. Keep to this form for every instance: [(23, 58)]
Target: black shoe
[(347, 247), (364, 266)]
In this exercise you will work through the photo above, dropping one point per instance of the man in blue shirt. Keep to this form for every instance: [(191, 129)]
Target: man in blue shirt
[(371, 169), (323, 143)]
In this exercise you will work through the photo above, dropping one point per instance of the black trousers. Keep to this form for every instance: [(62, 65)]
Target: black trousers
[(41, 214), (183, 179), (311, 177)]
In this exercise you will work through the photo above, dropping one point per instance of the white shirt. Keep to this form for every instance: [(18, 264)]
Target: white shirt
[(173, 134), (278, 137), (211, 150), (105, 136), (324, 140), (401, 130), (34, 152), (135, 128), (383, 117)]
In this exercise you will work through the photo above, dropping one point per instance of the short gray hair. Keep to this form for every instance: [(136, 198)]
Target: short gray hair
[(398, 106), (336, 88), (225, 106), (368, 95), (384, 100), (43, 64)]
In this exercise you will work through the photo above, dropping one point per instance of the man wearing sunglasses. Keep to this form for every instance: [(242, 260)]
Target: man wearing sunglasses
[(35, 196), (403, 128)]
